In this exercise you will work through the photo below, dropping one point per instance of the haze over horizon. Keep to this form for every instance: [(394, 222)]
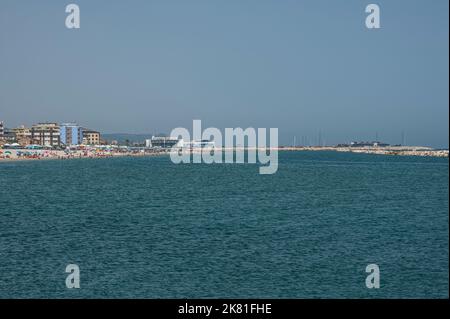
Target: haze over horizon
[(302, 66)]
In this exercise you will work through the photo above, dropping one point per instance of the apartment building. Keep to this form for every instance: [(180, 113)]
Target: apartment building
[(2, 130), (46, 134), (91, 137), (71, 134)]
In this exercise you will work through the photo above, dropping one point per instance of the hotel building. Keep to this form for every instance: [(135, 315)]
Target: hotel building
[(71, 134), (21, 132), (91, 137), (22, 135), (2, 130), (46, 134)]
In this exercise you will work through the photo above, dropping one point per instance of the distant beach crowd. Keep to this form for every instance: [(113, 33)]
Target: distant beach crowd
[(14, 154), (42, 154)]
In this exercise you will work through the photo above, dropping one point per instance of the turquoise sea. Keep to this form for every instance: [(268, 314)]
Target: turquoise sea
[(148, 228)]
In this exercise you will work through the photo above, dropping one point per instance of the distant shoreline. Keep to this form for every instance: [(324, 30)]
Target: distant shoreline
[(12, 155), (385, 150), (61, 155)]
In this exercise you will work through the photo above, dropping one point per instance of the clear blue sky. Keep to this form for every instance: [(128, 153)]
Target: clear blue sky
[(302, 66)]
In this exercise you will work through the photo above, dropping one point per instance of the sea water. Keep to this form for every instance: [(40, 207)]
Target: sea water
[(144, 227)]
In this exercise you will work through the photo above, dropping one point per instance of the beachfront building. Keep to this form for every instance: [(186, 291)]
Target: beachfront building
[(91, 137), (21, 132), (162, 141), (46, 134), (2, 132), (71, 134), (22, 135), (8, 135)]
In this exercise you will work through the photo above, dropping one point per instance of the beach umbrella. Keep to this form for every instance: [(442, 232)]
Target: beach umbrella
[(8, 152)]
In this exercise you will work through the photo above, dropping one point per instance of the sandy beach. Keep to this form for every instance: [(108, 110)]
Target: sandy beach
[(29, 155), (8, 155)]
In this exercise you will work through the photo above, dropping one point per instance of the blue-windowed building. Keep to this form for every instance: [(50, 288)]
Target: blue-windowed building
[(71, 134)]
